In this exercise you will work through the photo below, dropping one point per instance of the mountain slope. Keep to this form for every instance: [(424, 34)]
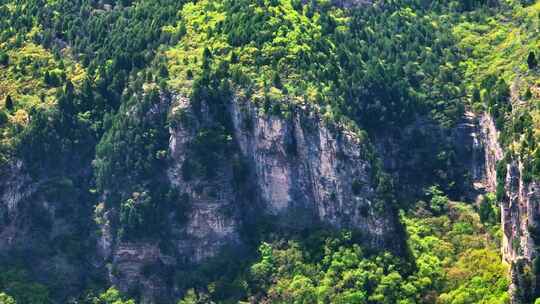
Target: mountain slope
[(154, 146)]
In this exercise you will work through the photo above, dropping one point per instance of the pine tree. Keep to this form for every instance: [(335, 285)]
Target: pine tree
[(47, 78), (4, 58), (207, 57), (234, 58), (276, 81), (163, 72), (9, 103), (531, 60), (476, 97), (528, 94)]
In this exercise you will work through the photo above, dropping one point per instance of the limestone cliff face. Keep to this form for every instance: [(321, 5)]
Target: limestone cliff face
[(520, 215), (519, 211), (294, 170), (425, 153), (302, 166), (492, 151)]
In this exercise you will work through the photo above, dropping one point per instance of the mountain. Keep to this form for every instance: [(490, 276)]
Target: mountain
[(269, 151)]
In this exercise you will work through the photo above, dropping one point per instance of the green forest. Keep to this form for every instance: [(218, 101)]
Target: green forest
[(87, 92)]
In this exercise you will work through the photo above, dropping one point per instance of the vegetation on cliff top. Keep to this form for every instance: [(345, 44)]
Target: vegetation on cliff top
[(372, 66), (501, 71)]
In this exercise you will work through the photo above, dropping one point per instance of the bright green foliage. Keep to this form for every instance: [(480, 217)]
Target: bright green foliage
[(439, 202), (489, 210), (192, 297), (455, 261), (6, 299), (31, 72), (111, 296), (456, 258), (20, 288), (346, 64), (501, 48), (378, 68)]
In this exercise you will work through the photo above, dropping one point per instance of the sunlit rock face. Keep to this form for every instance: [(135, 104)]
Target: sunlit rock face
[(309, 171), (520, 210), (293, 169)]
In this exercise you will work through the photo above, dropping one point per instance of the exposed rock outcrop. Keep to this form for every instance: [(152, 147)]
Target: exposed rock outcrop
[(307, 169), (294, 168), (519, 203)]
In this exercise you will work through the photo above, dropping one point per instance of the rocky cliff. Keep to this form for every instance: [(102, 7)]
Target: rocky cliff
[(284, 170), (290, 171), (519, 203), (280, 171)]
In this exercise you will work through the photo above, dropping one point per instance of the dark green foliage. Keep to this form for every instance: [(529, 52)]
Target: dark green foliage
[(51, 79), (531, 60), (489, 210), (468, 5), (53, 134), (501, 180), (9, 103), (476, 95), (371, 79), (356, 187), (486, 211), (528, 94), (208, 148), (498, 101), (107, 135), (438, 201), (135, 216), (525, 277), (366, 78), (4, 58), (18, 284), (536, 266), (130, 163), (3, 118)]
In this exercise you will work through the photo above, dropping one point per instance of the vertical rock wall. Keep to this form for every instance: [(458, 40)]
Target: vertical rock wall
[(299, 170), (519, 212)]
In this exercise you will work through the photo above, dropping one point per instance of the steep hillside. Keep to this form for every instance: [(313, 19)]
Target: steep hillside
[(501, 71), (272, 151)]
